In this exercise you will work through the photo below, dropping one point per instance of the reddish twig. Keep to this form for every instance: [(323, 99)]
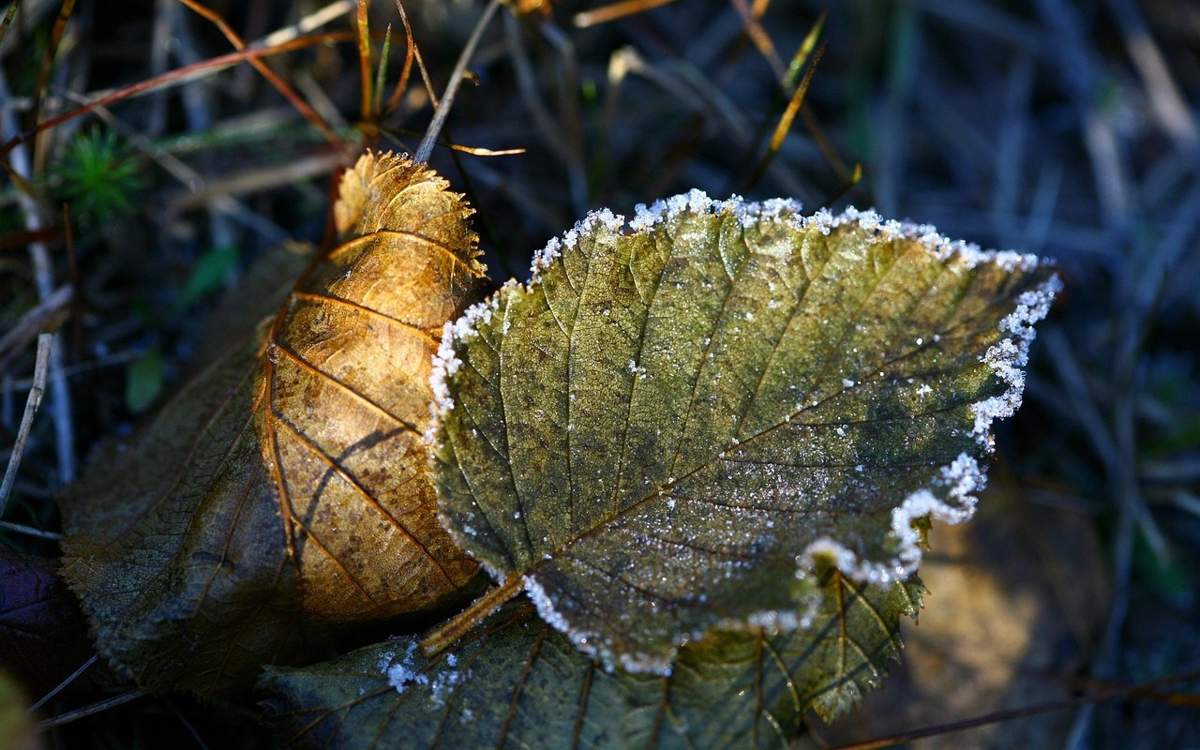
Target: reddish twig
[(43, 79), (280, 85), (410, 52), (363, 25), (616, 10), (173, 76)]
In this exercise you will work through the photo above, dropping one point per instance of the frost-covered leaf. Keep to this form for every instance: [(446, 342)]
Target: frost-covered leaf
[(286, 486), (517, 682), (667, 424)]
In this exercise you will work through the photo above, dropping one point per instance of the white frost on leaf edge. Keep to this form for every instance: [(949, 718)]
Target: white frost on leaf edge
[(959, 481), (591, 644)]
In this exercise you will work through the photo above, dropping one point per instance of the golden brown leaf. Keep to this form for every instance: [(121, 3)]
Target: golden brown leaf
[(285, 487)]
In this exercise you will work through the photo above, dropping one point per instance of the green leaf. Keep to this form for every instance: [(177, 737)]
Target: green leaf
[(666, 427), (209, 273), (519, 683), (143, 380)]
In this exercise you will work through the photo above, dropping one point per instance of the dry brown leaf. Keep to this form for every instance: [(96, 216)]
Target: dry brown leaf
[(285, 486)]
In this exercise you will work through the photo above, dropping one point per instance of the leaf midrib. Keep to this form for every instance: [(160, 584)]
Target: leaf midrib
[(660, 491)]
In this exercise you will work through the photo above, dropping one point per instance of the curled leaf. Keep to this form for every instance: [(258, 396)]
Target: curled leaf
[(519, 683), (286, 486), (666, 427)]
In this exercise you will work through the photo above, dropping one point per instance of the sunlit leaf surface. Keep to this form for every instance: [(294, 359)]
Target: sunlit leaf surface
[(285, 487), (664, 429)]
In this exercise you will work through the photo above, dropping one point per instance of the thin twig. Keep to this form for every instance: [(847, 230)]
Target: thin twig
[(308, 24), (258, 179), (785, 121), (362, 24), (460, 68), (614, 11), (32, 402), (449, 632), (179, 75), (191, 728), (758, 36), (280, 85), (461, 148), (46, 316), (18, 528), (410, 48), (43, 276), (1134, 691), (64, 684), (95, 708), (43, 79)]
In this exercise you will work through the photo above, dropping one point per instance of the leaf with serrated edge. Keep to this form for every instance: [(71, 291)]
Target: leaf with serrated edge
[(668, 425), (286, 487), (516, 682)]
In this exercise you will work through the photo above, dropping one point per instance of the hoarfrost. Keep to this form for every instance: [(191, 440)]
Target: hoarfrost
[(957, 484), (1007, 357), (400, 673), (590, 643)]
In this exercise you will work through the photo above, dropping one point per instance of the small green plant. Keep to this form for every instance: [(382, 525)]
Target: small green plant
[(99, 177)]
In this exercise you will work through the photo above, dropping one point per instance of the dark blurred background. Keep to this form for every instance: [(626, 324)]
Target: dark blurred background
[(1063, 128)]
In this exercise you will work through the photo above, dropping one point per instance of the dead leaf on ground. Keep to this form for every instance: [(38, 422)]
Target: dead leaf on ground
[(285, 487)]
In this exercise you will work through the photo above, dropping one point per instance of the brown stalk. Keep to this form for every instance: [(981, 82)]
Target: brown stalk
[(172, 76), (280, 85), (614, 11), (410, 51), (785, 121), (43, 79), (447, 634), (363, 25)]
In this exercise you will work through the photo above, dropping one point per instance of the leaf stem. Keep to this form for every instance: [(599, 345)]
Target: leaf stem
[(456, 627)]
